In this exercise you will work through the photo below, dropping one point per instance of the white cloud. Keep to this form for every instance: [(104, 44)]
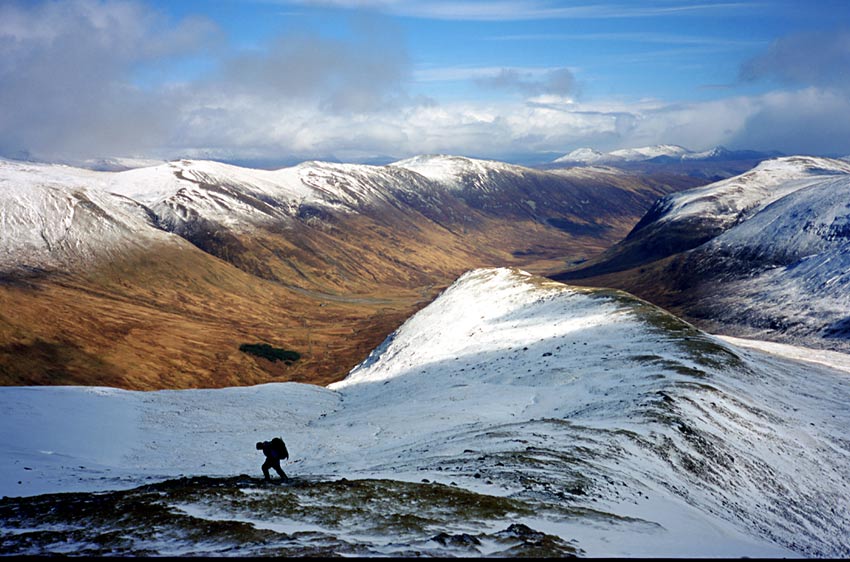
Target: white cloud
[(64, 75), (65, 88), (808, 121), (518, 129)]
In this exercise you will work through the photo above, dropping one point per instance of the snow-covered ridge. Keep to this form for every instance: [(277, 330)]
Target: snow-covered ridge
[(593, 156), (456, 172), (241, 197), (764, 254), (649, 152), (657, 153), (334, 184), (586, 155), (729, 200), (55, 216), (643, 429), (712, 153), (194, 197), (794, 261)]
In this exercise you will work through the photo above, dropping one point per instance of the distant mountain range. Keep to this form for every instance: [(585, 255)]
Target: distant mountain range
[(662, 154), (713, 165), (764, 254), (153, 277)]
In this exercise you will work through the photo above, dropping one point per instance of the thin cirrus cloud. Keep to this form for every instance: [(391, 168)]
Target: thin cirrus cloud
[(629, 37), (514, 10)]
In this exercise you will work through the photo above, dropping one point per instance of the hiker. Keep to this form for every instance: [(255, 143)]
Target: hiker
[(275, 451)]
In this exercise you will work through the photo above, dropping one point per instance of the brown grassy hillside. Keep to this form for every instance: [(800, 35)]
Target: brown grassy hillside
[(330, 287)]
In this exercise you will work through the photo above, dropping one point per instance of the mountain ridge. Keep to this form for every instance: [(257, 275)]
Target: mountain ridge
[(659, 153), (762, 254), (325, 259), (586, 415)]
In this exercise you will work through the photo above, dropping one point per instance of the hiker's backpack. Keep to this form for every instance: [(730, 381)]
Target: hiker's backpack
[(279, 446)]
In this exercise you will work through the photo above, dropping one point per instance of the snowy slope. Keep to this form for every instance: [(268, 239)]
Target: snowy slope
[(802, 223), (592, 156), (650, 152), (58, 217), (687, 219), (458, 172), (600, 419), (786, 268), (716, 153), (314, 182), (763, 254), (660, 154), (732, 200), (211, 203), (241, 197), (585, 155), (119, 164)]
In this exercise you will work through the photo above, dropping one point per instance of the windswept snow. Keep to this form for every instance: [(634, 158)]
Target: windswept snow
[(608, 422), (796, 224), (832, 359)]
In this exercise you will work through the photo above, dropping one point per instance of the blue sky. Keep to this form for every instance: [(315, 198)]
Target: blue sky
[(280, 81), (666, 49)]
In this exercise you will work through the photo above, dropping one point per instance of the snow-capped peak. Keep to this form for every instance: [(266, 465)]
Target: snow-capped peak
[(767, 182), (452, 171), (662, 153), (586, 155), (713, 153), (624, 155), (649, 152)]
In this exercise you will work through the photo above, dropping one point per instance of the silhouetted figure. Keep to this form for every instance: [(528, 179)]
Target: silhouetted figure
[(275, 451)]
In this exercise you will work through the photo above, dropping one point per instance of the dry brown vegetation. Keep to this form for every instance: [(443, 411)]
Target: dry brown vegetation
[(177, 322), (331, 289)]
